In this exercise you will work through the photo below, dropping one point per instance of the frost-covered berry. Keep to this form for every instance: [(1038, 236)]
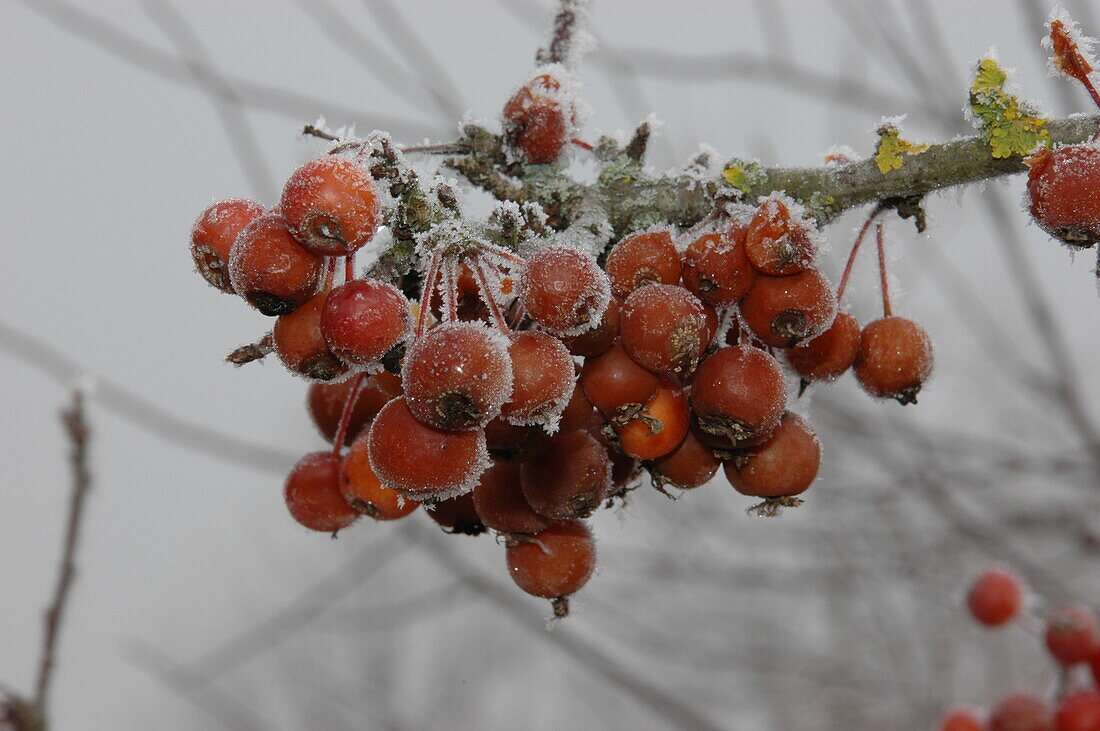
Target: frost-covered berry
[(213, 235), (421, 462), (457, 376), (331, 205), (1063, 188), (538, 120), (270, 269)]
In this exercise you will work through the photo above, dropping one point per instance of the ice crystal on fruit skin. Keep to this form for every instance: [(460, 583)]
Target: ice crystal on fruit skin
[(1010, 125)]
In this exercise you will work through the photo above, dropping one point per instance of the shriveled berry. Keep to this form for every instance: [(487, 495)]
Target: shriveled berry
[(536, 126), (777, 243), (717, 269)]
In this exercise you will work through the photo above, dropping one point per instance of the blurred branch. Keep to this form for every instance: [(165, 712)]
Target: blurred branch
[(77, 429), (132, 50), (139, 410), (432, 75)]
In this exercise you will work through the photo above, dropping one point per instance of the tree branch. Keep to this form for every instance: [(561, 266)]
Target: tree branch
[(633, 198), (77, 429)]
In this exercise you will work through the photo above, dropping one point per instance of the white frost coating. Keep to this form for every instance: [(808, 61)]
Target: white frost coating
[(598, 295), (840, 155), (800, 218), (450, 365), (566, 96), (1073, 31)]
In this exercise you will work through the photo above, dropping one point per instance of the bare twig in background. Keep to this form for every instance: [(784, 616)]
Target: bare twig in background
[(31, 715), (133, 50), (143, 412), (432, 75), (76, 427), (226, 100)]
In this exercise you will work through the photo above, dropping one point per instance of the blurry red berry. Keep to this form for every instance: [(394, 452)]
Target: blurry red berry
[(536, 127), (995, 597), (1020, 712), (1078, 711), (1072, 635)]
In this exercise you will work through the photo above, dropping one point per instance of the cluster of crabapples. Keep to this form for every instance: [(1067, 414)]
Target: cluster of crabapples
[(1072, 636), (1063, 184), (517, 388)]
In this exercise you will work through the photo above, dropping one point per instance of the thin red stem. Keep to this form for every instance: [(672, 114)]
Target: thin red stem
[(518, 313), (501, 252), (852, 255), (450, 284), (1091, 88), (582, 144), (345, 415), (330, 273), (431, 280), (887, 311), (487, 295), (349, 267)]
